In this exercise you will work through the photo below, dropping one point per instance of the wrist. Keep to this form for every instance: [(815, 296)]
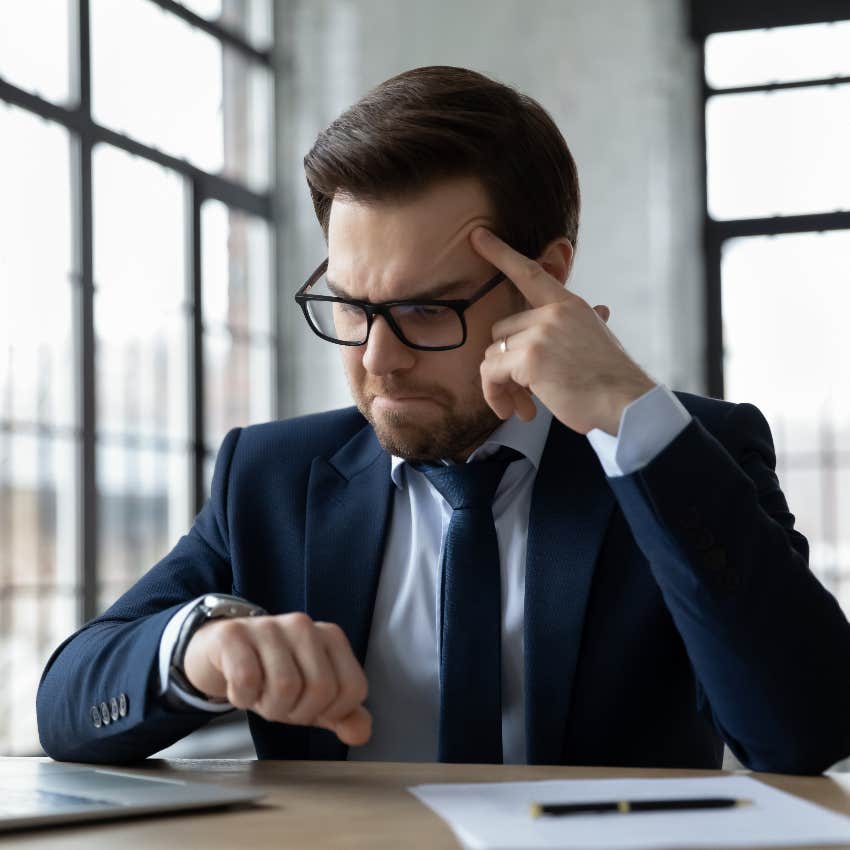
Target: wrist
[(617, 400), (197, 668), (204, 681)]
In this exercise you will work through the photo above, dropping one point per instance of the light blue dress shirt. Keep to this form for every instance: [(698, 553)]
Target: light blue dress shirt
[(402, 661)]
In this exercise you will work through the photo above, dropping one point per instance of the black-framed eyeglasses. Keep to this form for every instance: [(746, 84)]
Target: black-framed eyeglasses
[(427, 325)]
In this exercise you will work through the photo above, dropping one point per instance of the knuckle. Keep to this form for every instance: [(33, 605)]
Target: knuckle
[(533, 269), (298, 622), (333, 632), (245, 680), (265, 627), (286, 689), (231, 631), (361, 689), (324, 693), (534, 353)]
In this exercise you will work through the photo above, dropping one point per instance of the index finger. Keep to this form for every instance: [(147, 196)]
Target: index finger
[(530, 278)]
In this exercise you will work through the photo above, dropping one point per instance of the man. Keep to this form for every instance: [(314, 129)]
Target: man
[(517, 547)]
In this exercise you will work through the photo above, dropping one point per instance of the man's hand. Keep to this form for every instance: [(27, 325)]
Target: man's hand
[(285, 668), (561, 350)]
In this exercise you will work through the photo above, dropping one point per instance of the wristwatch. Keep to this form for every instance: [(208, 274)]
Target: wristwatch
[(213, 606)]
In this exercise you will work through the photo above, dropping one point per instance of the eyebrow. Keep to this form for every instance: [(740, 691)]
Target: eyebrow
[(434, 293)]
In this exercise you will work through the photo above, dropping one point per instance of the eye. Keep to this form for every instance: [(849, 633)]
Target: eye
[(424, 311), (344, 307)]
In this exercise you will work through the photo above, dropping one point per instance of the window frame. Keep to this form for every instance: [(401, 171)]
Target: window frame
[(708, 17), (202, 186)]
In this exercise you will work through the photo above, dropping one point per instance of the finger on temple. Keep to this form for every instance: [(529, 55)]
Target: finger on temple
[(529, 277)]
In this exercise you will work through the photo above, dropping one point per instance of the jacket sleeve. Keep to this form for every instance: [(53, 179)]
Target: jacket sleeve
[(769, 645), (117, 653)]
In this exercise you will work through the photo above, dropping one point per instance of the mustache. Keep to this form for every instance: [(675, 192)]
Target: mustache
[(394, 390)]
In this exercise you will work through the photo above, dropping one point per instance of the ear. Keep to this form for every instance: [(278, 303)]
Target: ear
[(557, 258)]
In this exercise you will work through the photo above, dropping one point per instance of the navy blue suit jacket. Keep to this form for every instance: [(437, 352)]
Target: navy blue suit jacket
[(666, 611)]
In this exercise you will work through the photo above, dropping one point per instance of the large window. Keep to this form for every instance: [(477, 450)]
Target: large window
[(137, 319), (777, 131)]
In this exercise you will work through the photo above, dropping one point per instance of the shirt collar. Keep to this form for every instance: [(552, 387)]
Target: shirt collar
[(528, 438)]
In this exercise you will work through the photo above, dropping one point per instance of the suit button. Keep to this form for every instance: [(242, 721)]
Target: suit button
[(705, 540), (714, 559), (113, 708), (104, 714), (122, 704), (691, 518), (95, 717)]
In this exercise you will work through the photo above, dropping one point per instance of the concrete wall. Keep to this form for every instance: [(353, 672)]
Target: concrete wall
[(620, 77)]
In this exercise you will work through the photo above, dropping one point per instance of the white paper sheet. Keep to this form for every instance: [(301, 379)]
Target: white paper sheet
[(496, 815)]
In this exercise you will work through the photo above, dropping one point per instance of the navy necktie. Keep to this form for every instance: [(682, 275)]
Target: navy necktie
[(471, 634)]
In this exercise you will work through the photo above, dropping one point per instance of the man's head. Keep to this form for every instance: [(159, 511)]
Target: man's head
[(399, 182)]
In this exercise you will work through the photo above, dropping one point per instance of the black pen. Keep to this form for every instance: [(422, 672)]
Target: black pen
[(625, 807)]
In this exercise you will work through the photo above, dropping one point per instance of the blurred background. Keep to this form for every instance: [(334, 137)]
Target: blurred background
[(155, 223)]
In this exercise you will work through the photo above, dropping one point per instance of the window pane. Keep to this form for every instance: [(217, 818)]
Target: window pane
[(143, 509), (236, 270), (38, 509), (35, 47), (787, 350), (32, 624), (36, 351), (239, 377), (252, 19), (842, 555), (38, 574), (192, 98), (783, 54), (141, 312), (778, 153)]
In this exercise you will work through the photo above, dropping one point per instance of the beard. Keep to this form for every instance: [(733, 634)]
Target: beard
[(462, 427)]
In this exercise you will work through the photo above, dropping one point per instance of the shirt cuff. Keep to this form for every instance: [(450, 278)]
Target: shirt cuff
[(647, 426), (166, 649)]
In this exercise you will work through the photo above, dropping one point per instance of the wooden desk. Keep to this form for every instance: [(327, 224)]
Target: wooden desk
[(319, 805)]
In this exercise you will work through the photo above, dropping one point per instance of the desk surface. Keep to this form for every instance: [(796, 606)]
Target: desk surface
[(320, 805)]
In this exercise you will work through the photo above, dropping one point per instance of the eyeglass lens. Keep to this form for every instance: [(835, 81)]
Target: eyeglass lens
[(427, 325)]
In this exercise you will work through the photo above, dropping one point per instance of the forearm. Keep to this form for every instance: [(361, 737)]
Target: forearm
[(101, 661)]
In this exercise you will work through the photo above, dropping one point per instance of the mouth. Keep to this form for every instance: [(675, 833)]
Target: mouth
[(400, 402)]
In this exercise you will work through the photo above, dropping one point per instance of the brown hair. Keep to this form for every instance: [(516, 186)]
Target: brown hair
[(439, 122)]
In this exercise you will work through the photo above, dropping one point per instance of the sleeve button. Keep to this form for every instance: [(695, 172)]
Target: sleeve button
[(113, 708), (122, 705), (104, 714), (95, 717)]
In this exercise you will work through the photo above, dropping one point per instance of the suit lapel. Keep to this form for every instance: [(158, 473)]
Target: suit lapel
[(348, 508), (570, 510)]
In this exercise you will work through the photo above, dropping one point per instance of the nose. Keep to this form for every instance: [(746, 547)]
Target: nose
[(385, 352)]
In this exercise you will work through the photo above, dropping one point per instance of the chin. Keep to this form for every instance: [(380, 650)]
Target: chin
[(405, 438), (427, 437)]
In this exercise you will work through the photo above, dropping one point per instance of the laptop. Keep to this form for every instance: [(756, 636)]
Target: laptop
[(37, 793)]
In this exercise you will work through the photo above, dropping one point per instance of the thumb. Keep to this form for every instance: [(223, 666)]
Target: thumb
[(355, 729), (603, 312)]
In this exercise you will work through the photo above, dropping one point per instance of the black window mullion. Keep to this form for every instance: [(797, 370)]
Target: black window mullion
[(85, 326), (197, 345), (224, 34)]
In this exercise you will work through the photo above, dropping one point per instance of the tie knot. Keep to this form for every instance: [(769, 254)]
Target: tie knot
[(470, 485)]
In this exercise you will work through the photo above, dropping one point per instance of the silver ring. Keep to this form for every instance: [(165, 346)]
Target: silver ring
[(503, 344)]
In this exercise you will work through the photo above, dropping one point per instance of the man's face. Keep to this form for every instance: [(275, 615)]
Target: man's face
[(422, 404)]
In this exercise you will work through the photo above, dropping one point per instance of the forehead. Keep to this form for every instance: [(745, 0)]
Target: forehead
[(391, 249)]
